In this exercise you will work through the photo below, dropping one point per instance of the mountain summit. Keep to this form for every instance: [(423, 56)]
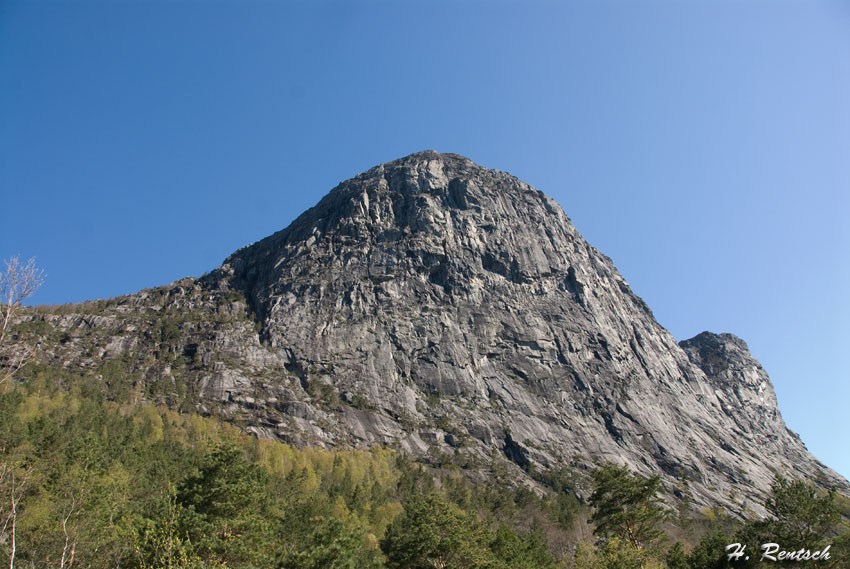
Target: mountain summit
[(462, 304), (443, 308)]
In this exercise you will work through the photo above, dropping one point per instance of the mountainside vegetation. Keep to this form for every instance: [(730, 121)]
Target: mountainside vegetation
[(430, 369), (92, 481), (452, 313)]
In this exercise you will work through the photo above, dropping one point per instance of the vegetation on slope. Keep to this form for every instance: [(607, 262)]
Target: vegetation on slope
[(93, 473), (86, 481), (89, 482)]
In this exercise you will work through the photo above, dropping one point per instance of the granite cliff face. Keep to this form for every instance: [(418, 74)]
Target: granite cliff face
[(444, 308)]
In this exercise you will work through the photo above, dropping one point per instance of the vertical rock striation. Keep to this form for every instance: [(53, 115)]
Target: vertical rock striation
[(459, 303), (444, 308)]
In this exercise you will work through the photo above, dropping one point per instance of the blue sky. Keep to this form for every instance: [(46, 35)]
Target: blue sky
[(703, 146)]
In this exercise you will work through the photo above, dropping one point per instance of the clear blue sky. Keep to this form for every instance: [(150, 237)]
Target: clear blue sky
[(703, 146)]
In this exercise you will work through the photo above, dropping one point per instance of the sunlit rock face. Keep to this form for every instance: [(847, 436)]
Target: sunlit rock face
[(460, 308), (447, 310)]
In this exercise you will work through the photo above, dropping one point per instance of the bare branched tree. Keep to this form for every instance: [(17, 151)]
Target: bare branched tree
[(17, 283), (12, 489)]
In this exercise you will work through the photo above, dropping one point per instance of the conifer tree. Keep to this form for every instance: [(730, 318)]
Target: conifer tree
[(434, 533), (627, 506)]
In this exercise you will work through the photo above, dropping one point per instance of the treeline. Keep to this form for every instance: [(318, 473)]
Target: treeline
[(95, 483), (88, 482), (805, 524)]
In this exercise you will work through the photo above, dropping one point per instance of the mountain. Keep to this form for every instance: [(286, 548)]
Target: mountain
[(448, 310)]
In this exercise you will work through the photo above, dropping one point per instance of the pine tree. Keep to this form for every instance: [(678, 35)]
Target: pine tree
[(333, 545), (627, 506), (800, 517), (434, 533)]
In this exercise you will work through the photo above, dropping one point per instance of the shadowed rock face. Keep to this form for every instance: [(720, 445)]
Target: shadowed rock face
[(436, 306), (456, 302)]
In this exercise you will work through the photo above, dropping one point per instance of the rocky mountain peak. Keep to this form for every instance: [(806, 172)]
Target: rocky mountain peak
[(728, 365), (716, 353), (443, 308), (462, 227), (462, 304)]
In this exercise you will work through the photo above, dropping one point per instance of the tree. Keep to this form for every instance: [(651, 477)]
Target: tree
[(627, 506), (801, 517), (614, 554), (162, 546), (520, 551), (17, 283), (333, 545), (709, 553), (222, 505), (800, 513), (12, 490), (434, 534)]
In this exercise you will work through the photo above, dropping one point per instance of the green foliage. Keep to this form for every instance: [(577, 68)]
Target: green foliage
[(512, 550), (123, 484), (801, 517), (615, 554), (32, 330), (222, 506), (710, 553), (323, 393), (116, 483), (676, 558), (801, 514), (169, 330), (235, 295), (359, 402), (432, 399), (565, 509), (434, 533), (334, 545), (224, 486), (162, 545), (627, 506)]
